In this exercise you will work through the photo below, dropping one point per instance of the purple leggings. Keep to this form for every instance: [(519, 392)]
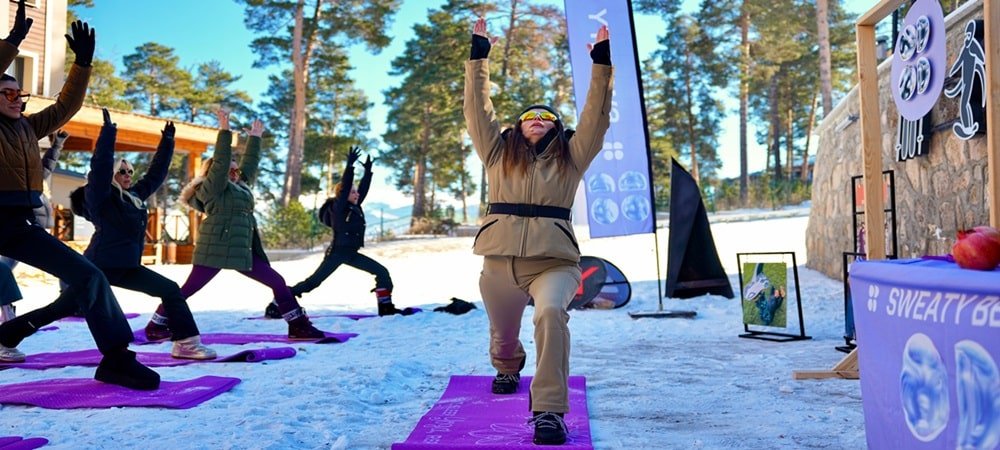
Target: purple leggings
[(260, 272)]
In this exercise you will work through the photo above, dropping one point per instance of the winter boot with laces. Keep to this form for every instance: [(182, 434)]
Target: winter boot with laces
[(385, 306), (299, 326), (550, 429), (506, 383), (156, 329), (121, 368), (191, 348), (271, 311)]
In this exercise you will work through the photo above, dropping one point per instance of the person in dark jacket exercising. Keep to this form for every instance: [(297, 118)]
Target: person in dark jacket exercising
[(117, 208), (343, 213)]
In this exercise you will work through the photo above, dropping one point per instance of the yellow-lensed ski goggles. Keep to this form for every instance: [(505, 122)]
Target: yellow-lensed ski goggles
[(535, 114)]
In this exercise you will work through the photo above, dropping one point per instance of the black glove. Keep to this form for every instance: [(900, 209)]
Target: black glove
[(457, 307), (21, 26), (352, 155), (367, 164), (82, 41), (480, 47), (169, 130), (601, 53), (107, 118)]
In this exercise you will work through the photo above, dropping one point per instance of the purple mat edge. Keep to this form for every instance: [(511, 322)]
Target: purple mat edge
[(221, 386), (92, 358), (581, 410)]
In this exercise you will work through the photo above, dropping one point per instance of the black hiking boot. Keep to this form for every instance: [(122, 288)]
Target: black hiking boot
[(388, 309), (550, 429), (271, 311), (504, 384), (121, 368), (300, 328), (156, 332)]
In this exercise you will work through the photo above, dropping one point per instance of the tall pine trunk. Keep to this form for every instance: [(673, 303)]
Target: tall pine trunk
[(689, 110), (823, 35), (744, 100), (775, 114), (302, 47), (804, 170)]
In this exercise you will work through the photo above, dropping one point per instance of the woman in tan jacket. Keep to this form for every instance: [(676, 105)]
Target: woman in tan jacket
[(527, 241)]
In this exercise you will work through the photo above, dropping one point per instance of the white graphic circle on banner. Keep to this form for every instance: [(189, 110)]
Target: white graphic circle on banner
[(604, 211), (923, 75), (977, 386), (632, 181), (923, 388), (923, 30), (636, 208), (601, 183), (906, 43)]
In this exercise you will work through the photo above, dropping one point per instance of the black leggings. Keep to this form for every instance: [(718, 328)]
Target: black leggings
[(23, 240), (337, 256), (142, 279)]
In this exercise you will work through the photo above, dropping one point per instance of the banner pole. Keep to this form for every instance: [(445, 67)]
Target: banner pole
[(649, 149)]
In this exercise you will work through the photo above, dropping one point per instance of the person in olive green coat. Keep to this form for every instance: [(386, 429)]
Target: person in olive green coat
[(527, 242), (228, 237)]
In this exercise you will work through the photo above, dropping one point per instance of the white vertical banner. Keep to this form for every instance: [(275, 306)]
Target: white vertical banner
[(617, 184)]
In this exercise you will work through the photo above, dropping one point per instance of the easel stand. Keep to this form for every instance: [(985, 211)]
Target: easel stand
[(774, 336)]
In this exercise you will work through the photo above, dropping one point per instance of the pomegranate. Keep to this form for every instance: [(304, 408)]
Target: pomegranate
[(979, 250), (989, 231)]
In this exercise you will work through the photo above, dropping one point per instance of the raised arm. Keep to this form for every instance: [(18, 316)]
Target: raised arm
[(158, 169), (101, 165), (74, 91), (217, 178), (480, 118), (249, 166), (347, 179), (51, 157), (19, 30), (366, 180), (595, 117)]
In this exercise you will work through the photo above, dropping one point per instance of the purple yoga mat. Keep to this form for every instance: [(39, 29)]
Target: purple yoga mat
[(469, 416), (321, 316), (249, 338), (19, 443), (84, 319), (71, 393), (92, 358)]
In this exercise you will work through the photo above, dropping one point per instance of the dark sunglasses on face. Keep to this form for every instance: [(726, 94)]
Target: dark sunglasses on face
[(13, 94), (124, 171)]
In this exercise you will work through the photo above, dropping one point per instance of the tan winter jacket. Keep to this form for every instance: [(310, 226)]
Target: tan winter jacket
[(20, 157), (545, 183)]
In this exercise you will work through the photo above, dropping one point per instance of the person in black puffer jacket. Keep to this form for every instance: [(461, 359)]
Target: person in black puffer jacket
[(117, 208), (344, 214)]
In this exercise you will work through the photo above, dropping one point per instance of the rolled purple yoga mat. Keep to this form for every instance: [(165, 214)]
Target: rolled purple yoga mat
[(469, 416), (249, 338)]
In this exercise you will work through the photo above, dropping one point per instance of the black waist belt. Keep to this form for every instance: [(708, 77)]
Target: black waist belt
[(526, 210)]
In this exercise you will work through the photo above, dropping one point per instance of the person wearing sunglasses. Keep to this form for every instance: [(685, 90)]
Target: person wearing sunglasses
[(344, 215), (115, 203), (23, 239), (43, 214), (527, 242), (228, 238)]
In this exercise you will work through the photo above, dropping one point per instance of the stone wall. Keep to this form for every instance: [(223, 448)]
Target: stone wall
[(935, 194)]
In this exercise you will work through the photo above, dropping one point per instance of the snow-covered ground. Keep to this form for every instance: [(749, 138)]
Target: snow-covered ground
[(652, 383)]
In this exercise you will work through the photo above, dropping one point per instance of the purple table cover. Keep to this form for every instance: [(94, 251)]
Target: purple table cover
[(249, 338), (469, 416), (19, 443), (72, 393), (928, 350), (92, 358)]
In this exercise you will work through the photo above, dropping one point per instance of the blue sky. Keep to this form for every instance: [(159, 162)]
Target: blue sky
[(200, 31)]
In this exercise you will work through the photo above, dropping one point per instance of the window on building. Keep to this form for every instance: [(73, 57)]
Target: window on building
[(23, 68)]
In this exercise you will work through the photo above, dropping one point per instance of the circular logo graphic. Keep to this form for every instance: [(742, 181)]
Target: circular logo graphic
[(601, 183), (919, 60), (923, 388), (604, 211), (923, 72), (636, 208), (977, 383), (632, 181)]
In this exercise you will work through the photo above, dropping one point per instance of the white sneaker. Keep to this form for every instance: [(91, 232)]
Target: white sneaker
[(11, 355), (191, 348)]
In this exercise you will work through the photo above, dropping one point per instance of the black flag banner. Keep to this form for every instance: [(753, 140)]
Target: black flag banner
[(693, 265)]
